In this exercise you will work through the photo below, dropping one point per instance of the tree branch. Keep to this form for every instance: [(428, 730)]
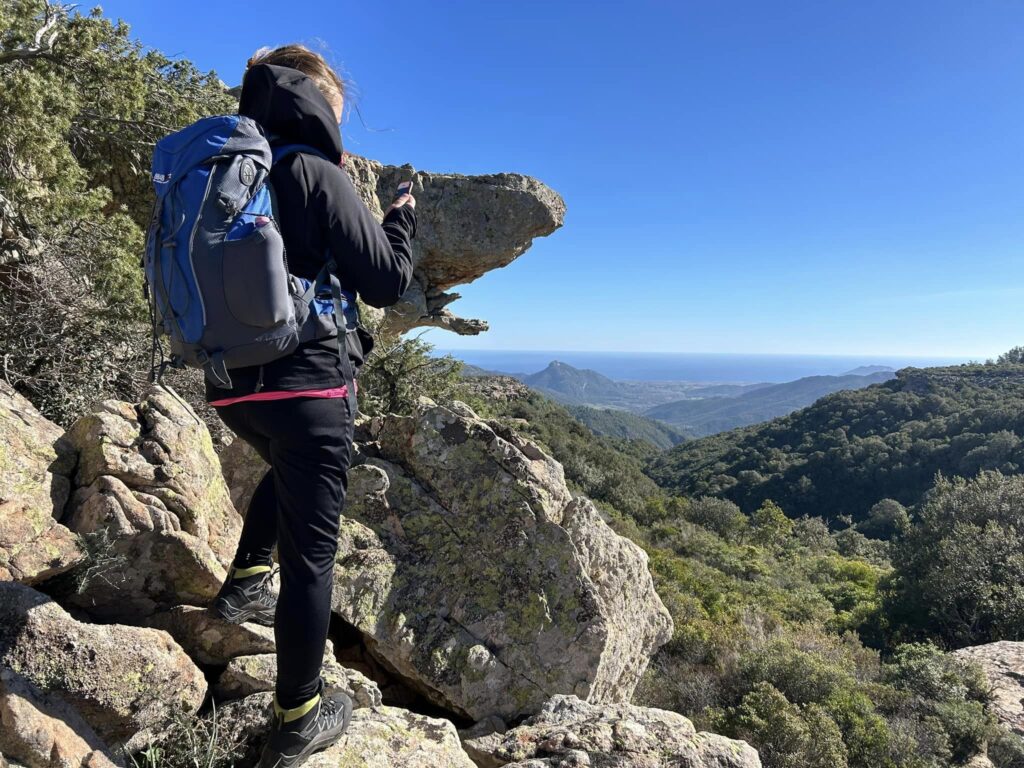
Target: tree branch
[(41, 46)]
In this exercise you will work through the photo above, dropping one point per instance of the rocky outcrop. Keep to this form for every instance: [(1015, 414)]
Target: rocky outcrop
[(473, 573), (467, 571), (149, 489), (42, 731), (569, 732), (35, 468), (497, 388), (127, 683), (210, 640), (246, 675), (384, 737), (1003, 664), (243, 469), (475, 224)]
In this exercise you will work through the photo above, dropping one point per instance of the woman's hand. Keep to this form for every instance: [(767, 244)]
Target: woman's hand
[(400, 201)]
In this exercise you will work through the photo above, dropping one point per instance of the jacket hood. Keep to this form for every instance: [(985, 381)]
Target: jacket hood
[(289, 106)]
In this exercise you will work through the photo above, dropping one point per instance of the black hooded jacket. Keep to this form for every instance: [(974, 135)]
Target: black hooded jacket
[(320, 213)]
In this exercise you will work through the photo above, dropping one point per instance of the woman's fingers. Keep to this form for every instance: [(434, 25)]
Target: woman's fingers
[(400, 201)]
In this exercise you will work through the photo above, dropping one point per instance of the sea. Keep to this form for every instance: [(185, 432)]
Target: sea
[(703, 368)]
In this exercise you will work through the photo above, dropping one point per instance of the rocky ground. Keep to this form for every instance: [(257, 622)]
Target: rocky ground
[(473, 591)]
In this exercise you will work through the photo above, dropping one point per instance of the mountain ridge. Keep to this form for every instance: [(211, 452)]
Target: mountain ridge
[(851, 449), (719, 414)]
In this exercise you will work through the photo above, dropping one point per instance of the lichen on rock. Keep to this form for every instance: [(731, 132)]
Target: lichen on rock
[(209, 639), (35, 467), (570, 733), (41, 730), (378, 737), (1003, 664), (148, 480), (474, 574), (475, 224), (125, 682), (246, 675)]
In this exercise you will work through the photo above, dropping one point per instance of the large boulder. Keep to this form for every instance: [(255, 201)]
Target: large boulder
[(43, 731), (243, 469), (149, 491), (35, 468), (475, 224), (473, 573), (1003, 664), (126, 682), (569, 732)]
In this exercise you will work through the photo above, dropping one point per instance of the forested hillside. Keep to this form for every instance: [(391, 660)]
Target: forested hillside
[(612, 422), (852, 449), (718, 414)]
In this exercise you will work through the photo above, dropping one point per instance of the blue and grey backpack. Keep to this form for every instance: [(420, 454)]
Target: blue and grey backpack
[(216, 268)]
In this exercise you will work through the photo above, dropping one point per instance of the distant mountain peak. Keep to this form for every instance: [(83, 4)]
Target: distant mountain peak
[(569, 384), (867, 370)]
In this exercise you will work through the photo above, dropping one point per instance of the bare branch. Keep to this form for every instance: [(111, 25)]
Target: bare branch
[(44, 38)]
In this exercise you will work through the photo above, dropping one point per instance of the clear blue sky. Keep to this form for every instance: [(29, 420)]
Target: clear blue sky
[(741, 176)]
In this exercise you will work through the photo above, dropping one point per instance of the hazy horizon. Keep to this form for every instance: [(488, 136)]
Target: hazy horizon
[(715, 367)]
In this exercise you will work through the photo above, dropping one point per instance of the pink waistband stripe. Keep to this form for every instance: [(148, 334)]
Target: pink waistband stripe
[(334, 392)]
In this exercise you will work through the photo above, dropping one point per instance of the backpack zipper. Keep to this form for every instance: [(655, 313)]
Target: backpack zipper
[(259, 381)]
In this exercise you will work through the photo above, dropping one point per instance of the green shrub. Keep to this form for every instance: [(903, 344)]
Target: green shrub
[(785, 735)]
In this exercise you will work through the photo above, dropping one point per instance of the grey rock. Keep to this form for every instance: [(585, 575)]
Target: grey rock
[(246, 675), (1003, 664), (150, 488), (243, 469), (35, 468), (569, 732), (467, 226), (126, 682), (41, 730), (210, 640), (385, 737), (473, 573), (378, 737)]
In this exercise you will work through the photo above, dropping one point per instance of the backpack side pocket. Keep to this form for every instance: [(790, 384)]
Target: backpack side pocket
[(256, 282)]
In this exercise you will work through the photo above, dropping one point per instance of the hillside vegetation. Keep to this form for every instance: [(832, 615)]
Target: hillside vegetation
[(78, 120), (850, 450), (711, 415), (783, 632), (611, 422)]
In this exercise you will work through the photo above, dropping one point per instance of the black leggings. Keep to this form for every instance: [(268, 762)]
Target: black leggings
[(308, 444)]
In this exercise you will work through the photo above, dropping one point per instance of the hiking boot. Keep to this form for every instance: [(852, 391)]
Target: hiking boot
[(247, 596), (298, 733)]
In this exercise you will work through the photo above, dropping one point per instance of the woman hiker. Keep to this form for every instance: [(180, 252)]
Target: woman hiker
[(298, 411)]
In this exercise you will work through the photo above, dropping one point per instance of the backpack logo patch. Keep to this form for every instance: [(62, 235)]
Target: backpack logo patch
[(247, 172)]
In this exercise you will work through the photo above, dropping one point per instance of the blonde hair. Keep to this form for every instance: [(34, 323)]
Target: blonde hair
[(310, 63)]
